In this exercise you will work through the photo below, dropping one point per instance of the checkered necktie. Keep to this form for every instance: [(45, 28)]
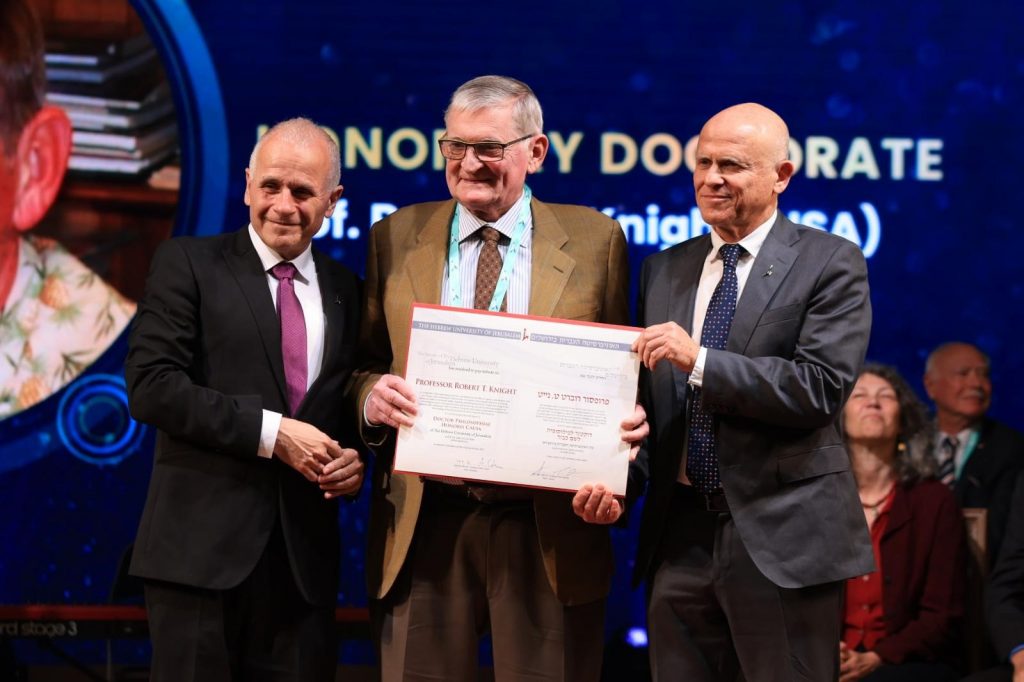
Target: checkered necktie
[(293, 333), (947, 463), (701, 459)]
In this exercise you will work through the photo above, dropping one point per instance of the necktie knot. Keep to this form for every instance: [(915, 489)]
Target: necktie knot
[(730, 254), (490, 234), (284, 271)]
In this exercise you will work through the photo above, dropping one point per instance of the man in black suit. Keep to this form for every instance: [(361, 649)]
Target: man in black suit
[(238, 542), (978, 456), (752, 520)]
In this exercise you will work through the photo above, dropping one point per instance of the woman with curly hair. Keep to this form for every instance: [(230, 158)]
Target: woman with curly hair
[(901, 623)]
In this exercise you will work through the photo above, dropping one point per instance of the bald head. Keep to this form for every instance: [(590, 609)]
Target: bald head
[(742, 168), (756, 123)]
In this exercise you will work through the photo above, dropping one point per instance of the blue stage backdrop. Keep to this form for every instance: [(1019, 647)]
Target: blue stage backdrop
[(899, 115)]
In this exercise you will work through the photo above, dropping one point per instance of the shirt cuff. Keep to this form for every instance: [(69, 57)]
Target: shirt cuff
[(697, 373), (268, 433)]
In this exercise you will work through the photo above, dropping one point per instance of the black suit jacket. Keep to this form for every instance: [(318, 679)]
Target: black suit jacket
[(204, 360), (987, 478), (796, 343), (1005, 597)]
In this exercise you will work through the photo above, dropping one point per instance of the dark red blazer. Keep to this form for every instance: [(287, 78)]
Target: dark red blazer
[(924, 575)]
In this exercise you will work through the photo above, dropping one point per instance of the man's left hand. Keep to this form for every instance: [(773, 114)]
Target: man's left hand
[(343, 475)]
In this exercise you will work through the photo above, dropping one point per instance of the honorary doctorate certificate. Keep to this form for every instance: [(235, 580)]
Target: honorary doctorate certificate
[(518, 400)]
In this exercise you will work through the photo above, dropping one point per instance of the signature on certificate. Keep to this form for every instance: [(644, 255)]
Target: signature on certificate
[(481, 464), (556, 474)]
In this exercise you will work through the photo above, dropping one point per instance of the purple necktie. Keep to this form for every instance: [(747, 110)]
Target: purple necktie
[(293, 333)]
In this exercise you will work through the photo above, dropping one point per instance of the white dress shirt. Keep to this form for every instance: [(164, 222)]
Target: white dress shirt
[(307, 290)]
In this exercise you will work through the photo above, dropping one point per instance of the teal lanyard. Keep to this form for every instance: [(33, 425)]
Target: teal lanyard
[(454, 281), (972, 443)]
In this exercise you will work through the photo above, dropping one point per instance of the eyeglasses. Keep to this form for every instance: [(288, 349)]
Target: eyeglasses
[(485, 151)]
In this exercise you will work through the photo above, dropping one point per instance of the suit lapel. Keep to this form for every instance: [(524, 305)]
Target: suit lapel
[(424, 268), (685, 269), (776, 257), (333, 301), (245, 265), (550, 266)]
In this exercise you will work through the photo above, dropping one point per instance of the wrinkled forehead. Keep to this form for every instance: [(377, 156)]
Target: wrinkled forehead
[(490, 123), (292, 162)]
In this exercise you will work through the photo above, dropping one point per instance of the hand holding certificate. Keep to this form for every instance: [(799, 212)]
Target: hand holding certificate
[(518, 400)]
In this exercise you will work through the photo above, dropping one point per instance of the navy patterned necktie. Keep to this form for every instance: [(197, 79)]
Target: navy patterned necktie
[(701, 459)]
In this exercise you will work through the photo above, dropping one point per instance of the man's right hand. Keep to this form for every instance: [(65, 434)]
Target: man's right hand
[(391, 402), (305, 448)]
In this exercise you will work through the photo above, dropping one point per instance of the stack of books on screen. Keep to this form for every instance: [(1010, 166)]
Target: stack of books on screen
[(118, 101)]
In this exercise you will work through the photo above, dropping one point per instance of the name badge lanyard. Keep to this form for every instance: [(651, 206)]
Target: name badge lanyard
[(972, 443), (455, 282)]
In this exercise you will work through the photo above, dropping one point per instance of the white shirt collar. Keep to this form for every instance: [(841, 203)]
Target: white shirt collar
[(303, 262), (506, 224), (752, 242)]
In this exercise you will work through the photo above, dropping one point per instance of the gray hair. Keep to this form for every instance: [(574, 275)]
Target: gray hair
[(303, 131), (484, 92)]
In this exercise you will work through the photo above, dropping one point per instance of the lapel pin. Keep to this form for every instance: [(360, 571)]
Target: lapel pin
[(768, 273), (337, 300)]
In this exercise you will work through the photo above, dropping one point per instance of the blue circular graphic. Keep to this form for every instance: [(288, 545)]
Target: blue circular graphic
[(93, 421), (202, 124)]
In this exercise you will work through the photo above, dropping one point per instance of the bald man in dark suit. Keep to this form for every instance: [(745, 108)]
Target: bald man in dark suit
[(754, 336)]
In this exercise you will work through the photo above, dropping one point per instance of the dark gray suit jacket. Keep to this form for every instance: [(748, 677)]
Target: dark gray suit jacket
[(797, 341), (204, 360)]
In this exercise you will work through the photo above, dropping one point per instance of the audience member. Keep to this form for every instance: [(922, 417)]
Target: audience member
[(978, 456), (901, 623)]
